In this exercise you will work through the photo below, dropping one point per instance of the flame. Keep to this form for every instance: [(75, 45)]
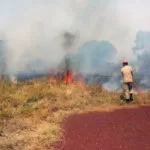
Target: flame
[(68, 77)]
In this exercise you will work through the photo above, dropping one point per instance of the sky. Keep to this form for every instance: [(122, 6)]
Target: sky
[(33, 28), (135, 11)]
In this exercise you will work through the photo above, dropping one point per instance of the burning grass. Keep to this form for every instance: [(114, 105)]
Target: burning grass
[(31, 112)]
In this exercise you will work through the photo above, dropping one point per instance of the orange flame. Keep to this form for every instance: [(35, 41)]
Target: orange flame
[(68, 77)]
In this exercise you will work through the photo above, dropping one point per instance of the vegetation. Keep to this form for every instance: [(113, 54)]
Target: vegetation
[(31, 112)]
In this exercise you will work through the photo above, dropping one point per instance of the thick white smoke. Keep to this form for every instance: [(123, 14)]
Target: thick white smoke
[(35, 33), (37, 36)]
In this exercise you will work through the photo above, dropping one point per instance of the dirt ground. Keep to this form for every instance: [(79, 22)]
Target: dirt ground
[(126, 129)]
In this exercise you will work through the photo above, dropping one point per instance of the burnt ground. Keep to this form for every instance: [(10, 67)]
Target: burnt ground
[(126, 129)]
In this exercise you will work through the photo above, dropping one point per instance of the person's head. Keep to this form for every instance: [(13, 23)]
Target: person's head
[(124, 62)]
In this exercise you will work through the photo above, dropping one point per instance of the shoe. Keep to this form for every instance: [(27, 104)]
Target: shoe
[(128, 100), (131, 97)]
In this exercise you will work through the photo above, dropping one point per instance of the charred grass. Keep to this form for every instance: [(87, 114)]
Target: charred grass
[(31, 112)]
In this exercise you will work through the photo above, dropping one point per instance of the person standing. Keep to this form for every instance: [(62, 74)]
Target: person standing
[(127, 74)]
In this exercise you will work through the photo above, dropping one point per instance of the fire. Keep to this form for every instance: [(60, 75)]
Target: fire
[(68, 76)]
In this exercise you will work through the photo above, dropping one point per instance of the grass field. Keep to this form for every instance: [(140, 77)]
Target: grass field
[(31, 112)]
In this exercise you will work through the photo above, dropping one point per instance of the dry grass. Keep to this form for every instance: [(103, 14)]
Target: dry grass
[(31, 112)]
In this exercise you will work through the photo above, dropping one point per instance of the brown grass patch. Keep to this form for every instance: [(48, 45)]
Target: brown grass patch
[(31, 112)]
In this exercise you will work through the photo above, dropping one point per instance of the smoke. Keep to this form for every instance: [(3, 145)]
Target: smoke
[(37, 36), (141, 50), (40, 33), (37, 33)]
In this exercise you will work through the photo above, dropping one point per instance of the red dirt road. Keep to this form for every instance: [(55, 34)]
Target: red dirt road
[(127, 129)]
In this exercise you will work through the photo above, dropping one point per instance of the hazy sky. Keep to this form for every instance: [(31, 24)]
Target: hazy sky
[(15, 9), (10, 9), (137, 11), (35, 26)]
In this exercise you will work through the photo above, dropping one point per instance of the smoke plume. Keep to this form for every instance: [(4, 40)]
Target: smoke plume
[(39, 33)]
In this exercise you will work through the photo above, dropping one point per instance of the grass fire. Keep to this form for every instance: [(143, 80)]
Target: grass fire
[(74, 75), (34, 107), (32, 111)]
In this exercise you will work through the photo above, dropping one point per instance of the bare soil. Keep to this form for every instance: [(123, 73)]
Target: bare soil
[(126, 129)]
